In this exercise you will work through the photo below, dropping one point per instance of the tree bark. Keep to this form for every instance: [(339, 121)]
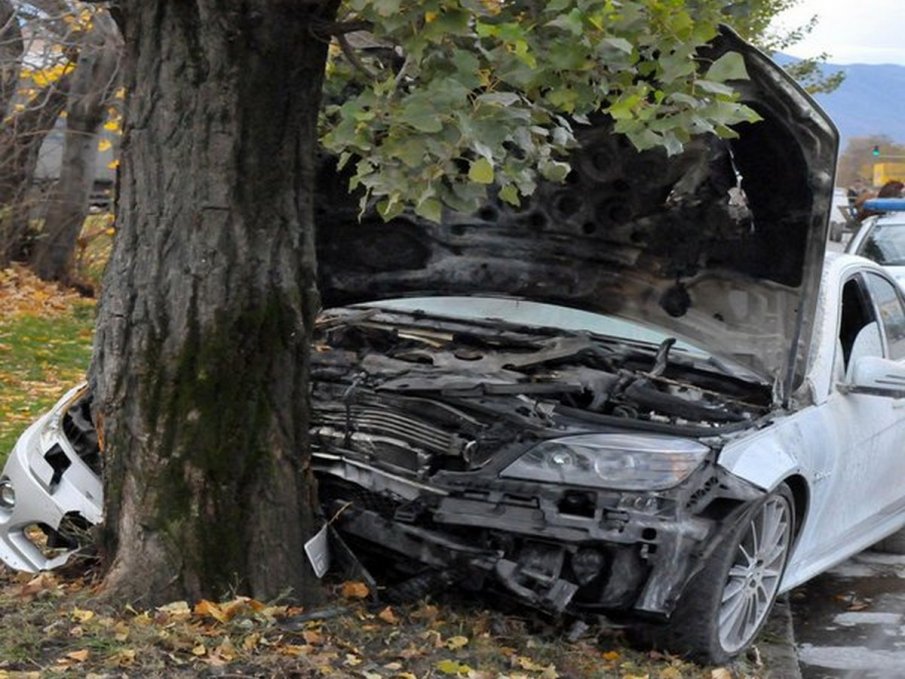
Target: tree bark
[(11, 48), (92, 86), (201, 353)]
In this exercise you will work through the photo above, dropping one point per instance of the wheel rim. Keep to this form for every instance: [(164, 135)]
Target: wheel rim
[(755, 573)]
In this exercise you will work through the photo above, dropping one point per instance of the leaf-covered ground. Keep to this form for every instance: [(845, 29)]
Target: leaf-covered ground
[(52, 626), (45, 346)]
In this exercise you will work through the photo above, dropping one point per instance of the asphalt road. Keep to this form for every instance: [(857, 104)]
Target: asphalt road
[(850, 621)]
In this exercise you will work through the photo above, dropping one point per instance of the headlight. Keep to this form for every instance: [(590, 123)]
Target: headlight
[(7, 495), (619, 461)]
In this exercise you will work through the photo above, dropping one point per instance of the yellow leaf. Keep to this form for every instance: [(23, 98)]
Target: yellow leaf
[(611, 656), (430, 17), (199, 650), (81, 615), (78, 656), (124, 657), (452, 667), (250, 643), (113, 164), (111, 126), (457, 642), (388, 616), (120, 93), (355, 590), (527, 663), (104, 145), (481, 171)]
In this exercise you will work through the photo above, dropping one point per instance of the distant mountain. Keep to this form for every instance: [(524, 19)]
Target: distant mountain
[(871, 100)]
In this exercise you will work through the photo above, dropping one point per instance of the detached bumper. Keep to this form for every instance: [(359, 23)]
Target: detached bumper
[(50, 482)]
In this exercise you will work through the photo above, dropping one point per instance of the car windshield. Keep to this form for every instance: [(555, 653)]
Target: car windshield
[(522, 312), (885, 244)]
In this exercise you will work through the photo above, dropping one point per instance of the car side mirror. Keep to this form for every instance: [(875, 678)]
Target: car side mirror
[(877, 376)]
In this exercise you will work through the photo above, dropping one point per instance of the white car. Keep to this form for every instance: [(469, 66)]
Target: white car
[(881, 238), (643, 394)]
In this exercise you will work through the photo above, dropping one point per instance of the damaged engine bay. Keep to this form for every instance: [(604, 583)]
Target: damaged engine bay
[(564, 467)]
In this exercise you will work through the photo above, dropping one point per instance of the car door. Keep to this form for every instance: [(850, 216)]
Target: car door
[(858, 488)]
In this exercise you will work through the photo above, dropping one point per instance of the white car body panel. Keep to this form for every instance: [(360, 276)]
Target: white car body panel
[(846, 465), (38, 500)]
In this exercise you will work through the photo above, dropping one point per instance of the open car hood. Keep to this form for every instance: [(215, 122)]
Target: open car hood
[(655, 239)]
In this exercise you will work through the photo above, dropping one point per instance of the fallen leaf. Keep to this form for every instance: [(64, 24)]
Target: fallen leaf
[(457, 642), (179, 610), (388, 616), (205, 608), (124, 658), (81, 615), (355, 590), (78, 656), (670, 673), (527, 663), (199, 650), (313, 637), (720, 673), (611, 656), (452, 667)]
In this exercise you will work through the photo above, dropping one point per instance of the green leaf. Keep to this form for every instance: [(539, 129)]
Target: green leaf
[(431, 209), (730, 66), (420, 115), (481, 171), (509, 194)]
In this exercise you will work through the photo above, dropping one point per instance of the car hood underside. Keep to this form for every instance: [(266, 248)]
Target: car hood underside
[(666, 241)]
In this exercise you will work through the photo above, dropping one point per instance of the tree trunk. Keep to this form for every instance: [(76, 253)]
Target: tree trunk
[(21, 136), (92, 86), (11, 48), (201, 354)]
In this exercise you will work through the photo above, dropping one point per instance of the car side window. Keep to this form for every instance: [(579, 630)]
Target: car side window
[(859, 333), (892, 315)]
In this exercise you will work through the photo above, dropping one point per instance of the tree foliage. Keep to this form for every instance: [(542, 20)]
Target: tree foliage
[(450, 96)]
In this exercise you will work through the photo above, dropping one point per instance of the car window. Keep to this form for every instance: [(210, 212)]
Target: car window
[(859, 333), (885, 244), (892, 315)]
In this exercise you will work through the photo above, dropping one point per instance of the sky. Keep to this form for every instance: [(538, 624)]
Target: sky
[(851, 31)]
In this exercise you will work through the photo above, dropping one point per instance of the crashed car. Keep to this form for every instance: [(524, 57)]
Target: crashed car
[(643, 394)]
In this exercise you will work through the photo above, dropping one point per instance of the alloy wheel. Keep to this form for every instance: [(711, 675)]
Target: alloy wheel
[(755, 573)]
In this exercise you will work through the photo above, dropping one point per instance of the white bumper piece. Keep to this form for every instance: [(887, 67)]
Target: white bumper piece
[(34, 493)]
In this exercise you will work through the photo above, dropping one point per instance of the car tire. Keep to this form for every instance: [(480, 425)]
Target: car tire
[(894, 544), (724, 606)]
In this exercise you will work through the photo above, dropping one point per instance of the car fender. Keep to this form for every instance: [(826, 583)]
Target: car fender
[(764, 466)]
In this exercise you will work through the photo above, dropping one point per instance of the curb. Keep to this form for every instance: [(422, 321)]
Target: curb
[(777, 643)]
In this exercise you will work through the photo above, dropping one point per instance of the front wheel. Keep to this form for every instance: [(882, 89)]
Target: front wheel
[(724, 606)]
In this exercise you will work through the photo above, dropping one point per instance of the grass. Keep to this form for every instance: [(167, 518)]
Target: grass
[(41, 356)]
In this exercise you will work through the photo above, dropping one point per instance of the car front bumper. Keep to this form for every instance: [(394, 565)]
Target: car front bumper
[(51, 483)]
